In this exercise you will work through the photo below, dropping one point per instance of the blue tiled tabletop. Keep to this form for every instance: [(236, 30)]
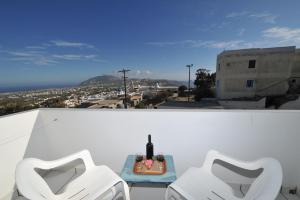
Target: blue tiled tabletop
[(129, 176)]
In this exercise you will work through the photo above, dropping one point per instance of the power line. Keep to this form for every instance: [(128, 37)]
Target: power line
[(124, 71)]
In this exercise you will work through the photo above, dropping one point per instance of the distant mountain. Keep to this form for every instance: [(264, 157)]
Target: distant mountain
[(113, 80), (102, 80)]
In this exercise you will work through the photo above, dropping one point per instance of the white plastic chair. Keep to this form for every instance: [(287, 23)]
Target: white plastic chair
[(92, 184), (201, 183)]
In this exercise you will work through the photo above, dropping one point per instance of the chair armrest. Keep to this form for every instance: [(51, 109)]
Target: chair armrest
[(213, 155), (84, 155)]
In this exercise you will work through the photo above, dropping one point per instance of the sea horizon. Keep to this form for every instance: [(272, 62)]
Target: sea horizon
[(11, 89)]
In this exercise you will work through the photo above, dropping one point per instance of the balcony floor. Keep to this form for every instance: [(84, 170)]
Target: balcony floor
[(158, 193)]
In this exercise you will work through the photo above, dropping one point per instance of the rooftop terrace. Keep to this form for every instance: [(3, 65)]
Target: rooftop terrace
[(111, 135)]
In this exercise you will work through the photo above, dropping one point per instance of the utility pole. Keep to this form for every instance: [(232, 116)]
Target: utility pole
[(189, 66), (124, 71)]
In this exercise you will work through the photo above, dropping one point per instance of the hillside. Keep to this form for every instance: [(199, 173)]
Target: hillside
[(113, 80), (102, 80)]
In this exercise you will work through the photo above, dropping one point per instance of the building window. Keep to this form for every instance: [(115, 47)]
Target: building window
[(228, 64), (252, 63), (250, 83)]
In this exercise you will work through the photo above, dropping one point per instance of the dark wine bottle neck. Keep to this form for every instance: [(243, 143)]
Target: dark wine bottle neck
[(149, 138)]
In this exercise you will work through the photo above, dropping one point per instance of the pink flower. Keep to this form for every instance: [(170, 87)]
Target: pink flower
[(149, 163)]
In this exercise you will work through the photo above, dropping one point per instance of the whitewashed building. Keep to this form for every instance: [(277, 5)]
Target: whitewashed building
[(257, 72)]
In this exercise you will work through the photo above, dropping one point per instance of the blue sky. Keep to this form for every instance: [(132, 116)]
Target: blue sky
[(68, 41)]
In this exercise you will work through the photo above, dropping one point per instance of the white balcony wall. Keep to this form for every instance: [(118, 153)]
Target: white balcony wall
[(187, 135), (15, 131)]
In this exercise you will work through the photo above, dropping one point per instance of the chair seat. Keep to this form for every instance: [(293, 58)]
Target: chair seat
[(91, 185), (198, 183)]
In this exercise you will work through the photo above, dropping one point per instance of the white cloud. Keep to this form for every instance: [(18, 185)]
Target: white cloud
[(35, 47), (284, 35), (20, 54), (138, 72), (265, 17), (44, 58), (74, 56), (187, 43), (237, 14), (37, 54), (161, 44), (231, 44), (90, 56), (30, 57), (148, 72), (62, 43), (45, 61), (275, 36), (195, 43), (241, 31), (213, 26)]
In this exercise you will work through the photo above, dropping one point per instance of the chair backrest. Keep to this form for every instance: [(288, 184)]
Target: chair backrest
[(266, 186), (33, 186), (30, 183)]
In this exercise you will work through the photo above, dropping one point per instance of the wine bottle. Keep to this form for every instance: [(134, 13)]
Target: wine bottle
[(149, 149)]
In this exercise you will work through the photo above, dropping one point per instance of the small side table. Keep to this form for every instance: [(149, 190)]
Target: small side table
[(130, 177)]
